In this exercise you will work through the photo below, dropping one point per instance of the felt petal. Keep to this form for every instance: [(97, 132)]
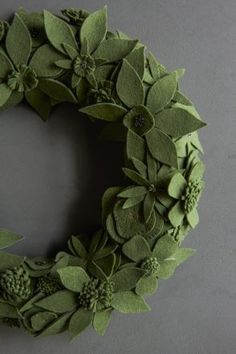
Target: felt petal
[(79, 322), (73, 278), (135, 146), (129, 302), (5, 93), (126, 278), (147, 285), (177, 186), (136, 59), (133, 192), (176, 214), (101, 321), (197, 171), (114, 49), (165, 247), (193, 218), (137, 249), (148, 206), (105, 111), (8, 238)]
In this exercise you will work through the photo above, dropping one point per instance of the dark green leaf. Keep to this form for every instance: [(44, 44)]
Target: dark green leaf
[(105, 111), (114, 49), (79, 322)]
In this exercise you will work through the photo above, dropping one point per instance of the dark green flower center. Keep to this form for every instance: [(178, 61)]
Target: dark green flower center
[(35, 32), (96, 295), (150, 266), (139, 121), (23, 79), (191, 196), (76, 17), (84, 65), (48, 285), (15, 284)]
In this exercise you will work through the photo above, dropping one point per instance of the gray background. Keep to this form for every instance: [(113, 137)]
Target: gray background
[(52, 177)]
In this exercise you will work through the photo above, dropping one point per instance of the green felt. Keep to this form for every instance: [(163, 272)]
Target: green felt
[(136, 114), (79, 321), (101, 321), (73, 278), (114, 49), (8, 238), (105, 111), (60, 302), (128, 302)]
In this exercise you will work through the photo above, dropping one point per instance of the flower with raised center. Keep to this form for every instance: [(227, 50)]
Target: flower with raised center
[(150, 266), (96, 295), (76, 17), (84, 65), (23, 79), (48, 285), (187, 191)]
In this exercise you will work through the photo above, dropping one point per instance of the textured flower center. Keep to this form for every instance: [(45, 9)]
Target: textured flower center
[(102, 93), (35, 32), (15, 284), (47, 285), (192, 194), (22, 80), (76, 17), (95, 295), (139, 121), (84, 65), (150, 266)]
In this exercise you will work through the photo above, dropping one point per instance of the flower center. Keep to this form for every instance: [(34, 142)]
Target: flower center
[(151, 266), (84, 65), (96, 295), (23, 79), (192, 194), (139, 121)]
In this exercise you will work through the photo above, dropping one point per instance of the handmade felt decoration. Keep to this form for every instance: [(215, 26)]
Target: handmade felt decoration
[(47, 59)]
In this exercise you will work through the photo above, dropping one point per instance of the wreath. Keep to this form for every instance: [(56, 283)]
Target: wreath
[(46, 60)]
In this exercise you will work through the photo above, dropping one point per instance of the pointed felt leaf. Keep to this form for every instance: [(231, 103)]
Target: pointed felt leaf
[(73, 278), (5, 65), (129, 86), (114, 49), (8, 238), (126, 278), (40, 102), (41, 319), (94, 29), (58, 32), (18, 42), (162, 92), (79, 322), (135, 177), (101, 321), (136, 59), (176, 214), (56, 90), (197, 171), (139, 119), (8, 311), (177, 121), (162, 147), (135, 146), (57, 326), (140, 167), (137, 249), (146, 285), (193, 218), (165, 247), (148, 206), (78, 247), (129, 302), (157, 70), (43, 61), (8, 260), (60, 302), (5, 93), (177, 186), (105, 111), (131, 192), (130, 202)]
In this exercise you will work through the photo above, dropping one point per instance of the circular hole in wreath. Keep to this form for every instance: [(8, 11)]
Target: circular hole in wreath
[(52, 176)]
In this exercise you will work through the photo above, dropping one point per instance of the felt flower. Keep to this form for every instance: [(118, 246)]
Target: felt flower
[(159, 262), (23, 79), (186, 191), (76, 17)]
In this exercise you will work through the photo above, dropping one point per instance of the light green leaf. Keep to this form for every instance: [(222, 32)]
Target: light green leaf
[(157, 70), (193, 218), (147, 285), (57, 326), (137, 249), (73, 278), (130, 202), (60, 302), (177, 186), (129, 86), (114, 49), (79, 322), (56, 90), (135, 146), (135, 177), (197, 171), (148, 206), (177, 121), (162, 92), (41, 319), (136, 59), (140, 167), (176, 214), (94, 29), (126, 278), (129, 302), (18, 42), (165, 247), (8, 260), (43, 61), (105, 111), (162, 147), (58, 32), (8, 238), (101, 321)]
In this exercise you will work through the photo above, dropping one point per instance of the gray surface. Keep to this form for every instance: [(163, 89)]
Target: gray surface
[(46, 175)]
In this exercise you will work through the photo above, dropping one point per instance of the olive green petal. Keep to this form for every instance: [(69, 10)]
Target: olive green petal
[(165, 247), (5, 64), (137, 249), (114, 49), (101, 321), (79, 322), (197, 171), (176, 214), (40, 102), (193, 218), (147, 285), (177, 186), (105, 111), (139, 119), (5, 93)]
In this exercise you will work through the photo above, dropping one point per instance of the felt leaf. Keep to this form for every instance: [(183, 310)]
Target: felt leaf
[(43, 61), (18, 42), (167, 268), (126, 278), (139, 119), (105, 111), (136, 59), (8, 238), (162, 92), (14, 99), (79, 247), (5, 93), (70, 50), (146, 285), (162, 147), (148, 206), (132, 192), (101, 321), (8, 260), (197, 171), (79, 322), (140, 167), (7, 311), (58, 32), (40, 102), (114, 49), (41, 319), (106, 265), (152, 169), (60, 302), (108, 200), (5, 65), (94, 29), (132, 201), (129, 86), (73, 278), (177, 186), (135, 146), (176, 214), (129, 302), (193, 218), (137, 249), (157, 70), (56, 90), (57, 326), (177, 122), (135, 177), (165, 247), (182, 254)]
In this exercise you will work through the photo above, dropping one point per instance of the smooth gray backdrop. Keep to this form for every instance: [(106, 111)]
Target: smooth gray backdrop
[(52, 177)]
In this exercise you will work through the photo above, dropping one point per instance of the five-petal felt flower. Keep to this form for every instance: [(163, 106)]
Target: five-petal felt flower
[(187, 191)]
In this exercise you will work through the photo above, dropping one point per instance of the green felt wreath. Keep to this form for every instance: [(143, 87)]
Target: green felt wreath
[(47, 59)]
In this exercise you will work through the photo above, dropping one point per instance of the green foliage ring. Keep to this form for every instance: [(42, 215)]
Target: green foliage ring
[(47, 59)]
